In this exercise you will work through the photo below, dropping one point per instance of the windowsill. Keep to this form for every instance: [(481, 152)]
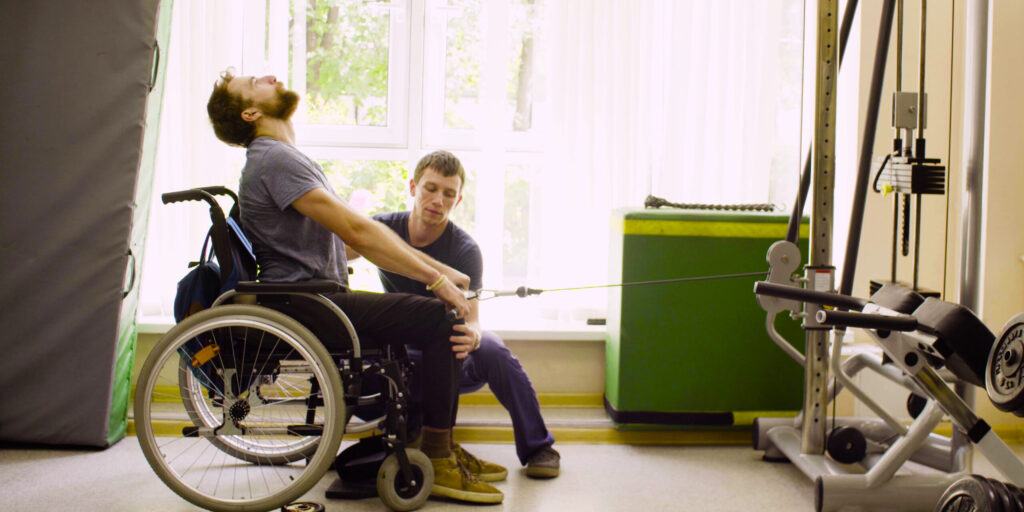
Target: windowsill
[(530, 330)]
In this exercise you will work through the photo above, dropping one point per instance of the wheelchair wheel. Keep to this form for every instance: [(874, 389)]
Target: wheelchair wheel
[(201, 407), (256, 385), (395, 491)]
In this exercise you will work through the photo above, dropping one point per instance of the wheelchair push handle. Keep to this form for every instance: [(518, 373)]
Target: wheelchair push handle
[(812, 296), (867, 320), (199, 194)]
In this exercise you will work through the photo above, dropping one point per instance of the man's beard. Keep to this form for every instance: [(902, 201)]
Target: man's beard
[(284, 106)]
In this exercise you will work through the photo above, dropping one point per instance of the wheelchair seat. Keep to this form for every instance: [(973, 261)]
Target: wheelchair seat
[(243, 405)]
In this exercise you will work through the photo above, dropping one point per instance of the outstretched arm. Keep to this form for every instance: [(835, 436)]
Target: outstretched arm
[(459, 279), (378, 243)]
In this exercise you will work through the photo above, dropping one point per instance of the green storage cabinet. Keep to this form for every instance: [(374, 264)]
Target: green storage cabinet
[(696, 352)]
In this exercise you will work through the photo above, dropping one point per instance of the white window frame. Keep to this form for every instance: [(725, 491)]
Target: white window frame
[(395, 133), (494, 39)]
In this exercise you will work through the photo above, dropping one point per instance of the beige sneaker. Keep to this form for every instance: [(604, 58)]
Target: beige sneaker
[(451, 480), (543, 463), (486, 471)]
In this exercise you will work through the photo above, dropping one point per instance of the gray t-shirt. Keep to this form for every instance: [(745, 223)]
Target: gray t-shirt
[(288, 245)]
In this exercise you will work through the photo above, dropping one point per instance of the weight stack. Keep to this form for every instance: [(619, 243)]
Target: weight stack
[(696, 353)]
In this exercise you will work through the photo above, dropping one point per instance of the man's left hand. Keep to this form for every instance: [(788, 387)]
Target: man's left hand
[(466, 341)]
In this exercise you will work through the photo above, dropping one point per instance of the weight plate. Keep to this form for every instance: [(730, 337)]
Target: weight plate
[(1004, 373), (970, 494), (1016, 496), (1009, 504), (303, 506)]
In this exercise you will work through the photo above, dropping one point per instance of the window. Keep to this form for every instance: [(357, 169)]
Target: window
[(559, 111)]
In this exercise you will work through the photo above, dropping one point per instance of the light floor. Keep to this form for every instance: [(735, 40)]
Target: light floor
[(595, 478)]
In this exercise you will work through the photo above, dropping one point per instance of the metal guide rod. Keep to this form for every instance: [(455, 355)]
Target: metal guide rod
[(973, 165), (973, 151), (816, 369), (920, 80)]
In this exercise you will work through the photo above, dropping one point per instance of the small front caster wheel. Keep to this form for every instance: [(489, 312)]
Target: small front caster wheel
[(399, 494)]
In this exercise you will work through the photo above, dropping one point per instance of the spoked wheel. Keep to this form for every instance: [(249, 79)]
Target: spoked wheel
[(400, 494), (203, 407), (239, 408)]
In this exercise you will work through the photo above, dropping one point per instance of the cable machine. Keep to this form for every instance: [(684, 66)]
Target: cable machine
[(932, 348)]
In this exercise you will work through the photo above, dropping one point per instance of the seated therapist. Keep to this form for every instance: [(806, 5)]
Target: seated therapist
[(436, 188), (299, 226)]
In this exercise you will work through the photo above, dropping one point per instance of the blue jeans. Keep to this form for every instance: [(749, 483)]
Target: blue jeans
[(495, 365)]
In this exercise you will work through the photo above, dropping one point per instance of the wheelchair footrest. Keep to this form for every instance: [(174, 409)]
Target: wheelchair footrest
[(306, 430), (352, 490)]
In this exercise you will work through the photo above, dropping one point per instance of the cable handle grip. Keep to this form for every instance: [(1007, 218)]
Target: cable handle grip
[(867, 320), (815, 297), (453, 317)]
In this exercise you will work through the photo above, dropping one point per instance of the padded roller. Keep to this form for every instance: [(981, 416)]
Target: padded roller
[(962, 339)]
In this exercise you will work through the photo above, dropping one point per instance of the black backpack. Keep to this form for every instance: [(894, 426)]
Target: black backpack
[(206, 281)]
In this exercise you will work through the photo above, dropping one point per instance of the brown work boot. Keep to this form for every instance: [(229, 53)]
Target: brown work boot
[(486, 471), (543, 463), (451, 480)]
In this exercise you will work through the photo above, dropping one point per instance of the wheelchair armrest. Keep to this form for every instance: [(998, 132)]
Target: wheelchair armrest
[(312, 286)]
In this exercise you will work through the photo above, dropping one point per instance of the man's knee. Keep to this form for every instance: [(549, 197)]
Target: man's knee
[(492, 351)]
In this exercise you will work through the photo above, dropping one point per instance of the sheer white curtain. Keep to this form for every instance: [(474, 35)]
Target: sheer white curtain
[(678, 98), (206, 37), (675, 98)]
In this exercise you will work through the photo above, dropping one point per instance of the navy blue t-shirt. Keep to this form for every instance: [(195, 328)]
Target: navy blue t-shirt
[(454, 248)]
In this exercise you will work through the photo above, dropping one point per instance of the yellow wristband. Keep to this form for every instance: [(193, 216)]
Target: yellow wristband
[(437, 284)]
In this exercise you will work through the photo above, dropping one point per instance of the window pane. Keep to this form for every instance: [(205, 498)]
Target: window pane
[(524, 30), (464, 214), (516, 242), (370, 186), (463, 56), (346, 62)]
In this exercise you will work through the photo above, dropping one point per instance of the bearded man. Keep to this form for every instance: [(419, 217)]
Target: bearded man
[(299, 226)]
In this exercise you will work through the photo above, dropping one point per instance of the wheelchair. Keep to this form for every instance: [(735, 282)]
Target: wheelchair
[(241, 406)]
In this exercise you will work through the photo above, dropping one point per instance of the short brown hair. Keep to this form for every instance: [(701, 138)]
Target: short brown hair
[(443, 162), (225, 111)]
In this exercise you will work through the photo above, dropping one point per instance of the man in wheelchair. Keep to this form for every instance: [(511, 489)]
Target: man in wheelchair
[(299, 227)]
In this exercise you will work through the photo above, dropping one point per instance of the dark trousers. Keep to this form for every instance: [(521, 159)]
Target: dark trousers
[(494, 365), (398, 319)]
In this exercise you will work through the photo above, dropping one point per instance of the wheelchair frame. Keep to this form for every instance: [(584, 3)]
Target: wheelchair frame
[(274, 415)]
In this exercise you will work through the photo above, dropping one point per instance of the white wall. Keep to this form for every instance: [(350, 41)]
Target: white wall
[(1003, 270)]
